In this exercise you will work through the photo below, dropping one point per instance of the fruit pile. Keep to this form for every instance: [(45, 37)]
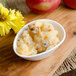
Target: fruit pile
[(43, 6)]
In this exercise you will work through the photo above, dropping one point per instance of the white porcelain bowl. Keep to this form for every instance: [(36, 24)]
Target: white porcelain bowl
[(61, 35)]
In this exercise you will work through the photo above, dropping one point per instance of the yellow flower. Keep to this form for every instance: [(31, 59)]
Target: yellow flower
[(10, 19)]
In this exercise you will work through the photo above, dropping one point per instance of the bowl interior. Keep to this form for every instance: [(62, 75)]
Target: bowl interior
[(59, 29)]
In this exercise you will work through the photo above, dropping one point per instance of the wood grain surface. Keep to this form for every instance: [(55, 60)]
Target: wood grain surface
[(12, 65)]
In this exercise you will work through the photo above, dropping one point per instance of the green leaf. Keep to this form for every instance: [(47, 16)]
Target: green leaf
[(4, 3)]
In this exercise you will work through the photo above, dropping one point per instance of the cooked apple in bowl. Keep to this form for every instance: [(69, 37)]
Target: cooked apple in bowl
[(37, 38)]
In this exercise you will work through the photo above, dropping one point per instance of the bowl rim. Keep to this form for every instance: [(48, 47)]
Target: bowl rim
[(50, 50)]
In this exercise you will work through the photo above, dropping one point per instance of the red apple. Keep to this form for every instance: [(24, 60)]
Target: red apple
[(42, 6), (70, 3)]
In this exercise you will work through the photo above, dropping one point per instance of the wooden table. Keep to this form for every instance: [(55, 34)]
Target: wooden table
[(12, 65)]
